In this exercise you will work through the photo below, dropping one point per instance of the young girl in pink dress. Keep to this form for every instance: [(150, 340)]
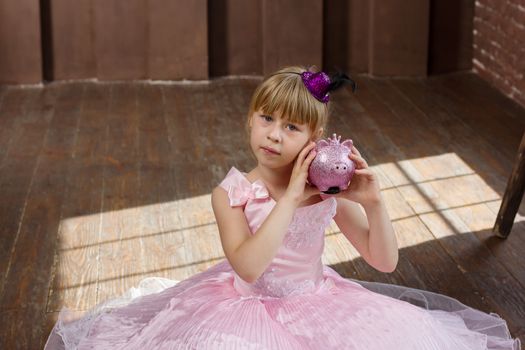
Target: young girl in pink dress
[(272, 291)]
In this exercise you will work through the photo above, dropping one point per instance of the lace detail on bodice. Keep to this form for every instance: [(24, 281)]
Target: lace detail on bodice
[(309, 224), (268, 284)]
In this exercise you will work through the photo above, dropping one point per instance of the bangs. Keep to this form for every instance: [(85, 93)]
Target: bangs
[(286, 94)]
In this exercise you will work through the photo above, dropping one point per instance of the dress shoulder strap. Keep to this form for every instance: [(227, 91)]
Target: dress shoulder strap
[(240, 189)]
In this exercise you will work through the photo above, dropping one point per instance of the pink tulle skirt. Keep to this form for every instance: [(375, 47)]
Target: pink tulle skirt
[(205, 311)]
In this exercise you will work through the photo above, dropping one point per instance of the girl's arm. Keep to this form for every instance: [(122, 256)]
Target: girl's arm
[(372, 235), (249, 255)]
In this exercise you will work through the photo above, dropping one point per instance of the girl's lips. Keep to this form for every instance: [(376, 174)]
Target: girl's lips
[(270, 151)]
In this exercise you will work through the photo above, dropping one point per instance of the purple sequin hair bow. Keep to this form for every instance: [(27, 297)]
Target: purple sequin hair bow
[(320, 84)]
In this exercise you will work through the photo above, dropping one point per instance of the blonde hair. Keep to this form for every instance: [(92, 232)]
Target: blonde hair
[(285, 92)]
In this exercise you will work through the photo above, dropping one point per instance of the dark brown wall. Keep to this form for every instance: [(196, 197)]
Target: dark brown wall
[(235, 37), (132, 39), (345, 35), (499, 45), (292, 33), (199, 39), (72, 51), (119, 28), (450, 39), (20, 52), (398, 35), (178, 39)]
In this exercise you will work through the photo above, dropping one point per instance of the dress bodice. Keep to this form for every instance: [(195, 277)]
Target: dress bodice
[(297, 266)]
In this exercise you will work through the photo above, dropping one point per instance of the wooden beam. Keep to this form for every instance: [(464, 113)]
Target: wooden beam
[(292, 33), (20, 52), (513, 195), (398, 37)]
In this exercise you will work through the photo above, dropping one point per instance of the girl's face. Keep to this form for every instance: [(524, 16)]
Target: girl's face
[(275, 141)]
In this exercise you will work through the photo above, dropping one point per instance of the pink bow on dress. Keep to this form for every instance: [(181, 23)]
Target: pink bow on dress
[(239, 195)]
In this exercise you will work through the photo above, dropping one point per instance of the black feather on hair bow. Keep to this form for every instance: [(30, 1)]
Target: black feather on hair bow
[(338, 79)]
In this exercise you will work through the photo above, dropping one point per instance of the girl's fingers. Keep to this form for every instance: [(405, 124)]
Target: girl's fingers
[(303, 154), (361, 163), (366, 172), (309, 160), (355, 151)]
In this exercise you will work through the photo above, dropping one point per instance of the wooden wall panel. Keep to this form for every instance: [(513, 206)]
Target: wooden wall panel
[(292, 33), (20, 53), (451, 36), (72, 52), (399, 37), (345, 35), (177, 39), (235, 37), (120, 32)]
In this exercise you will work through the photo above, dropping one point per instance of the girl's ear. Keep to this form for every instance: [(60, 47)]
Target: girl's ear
[(318, 134)]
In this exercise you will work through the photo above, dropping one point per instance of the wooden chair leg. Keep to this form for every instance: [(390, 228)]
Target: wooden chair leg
[(512, 196)]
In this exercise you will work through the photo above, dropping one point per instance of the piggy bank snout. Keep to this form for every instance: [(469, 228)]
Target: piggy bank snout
[(340, 167)]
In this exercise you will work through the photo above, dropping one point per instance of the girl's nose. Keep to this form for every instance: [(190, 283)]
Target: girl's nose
[(273, 138), (275, 135)]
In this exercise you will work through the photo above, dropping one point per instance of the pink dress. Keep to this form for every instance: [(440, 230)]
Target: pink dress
[(297, 303)]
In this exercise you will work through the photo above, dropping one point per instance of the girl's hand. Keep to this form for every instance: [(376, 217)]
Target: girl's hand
[(298, 189), (364, 186)]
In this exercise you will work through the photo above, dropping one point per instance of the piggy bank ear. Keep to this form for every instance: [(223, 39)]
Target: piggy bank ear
[(321, 144), (348, 143)]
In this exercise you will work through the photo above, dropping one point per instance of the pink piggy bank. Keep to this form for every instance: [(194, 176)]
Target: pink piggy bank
[(331, 170)]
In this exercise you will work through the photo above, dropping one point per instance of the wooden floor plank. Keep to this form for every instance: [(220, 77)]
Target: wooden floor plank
[(15, 172), (478, 91), (159, 212), (238, 95), (120, 262), (32, 259), (76, 265), (24, 327), (495, 128), (14, 105), (18, 176)]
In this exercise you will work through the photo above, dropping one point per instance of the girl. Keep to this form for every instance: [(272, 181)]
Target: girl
[(272, 291)]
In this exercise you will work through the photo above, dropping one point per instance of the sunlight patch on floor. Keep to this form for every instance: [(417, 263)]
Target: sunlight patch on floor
[(103, 255), (428, 198)]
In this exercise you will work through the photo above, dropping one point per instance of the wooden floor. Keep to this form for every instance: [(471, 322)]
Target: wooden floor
[(103, 185)]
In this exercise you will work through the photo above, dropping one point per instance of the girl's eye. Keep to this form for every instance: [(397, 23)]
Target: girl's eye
[(266, 118), (292, 127)]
